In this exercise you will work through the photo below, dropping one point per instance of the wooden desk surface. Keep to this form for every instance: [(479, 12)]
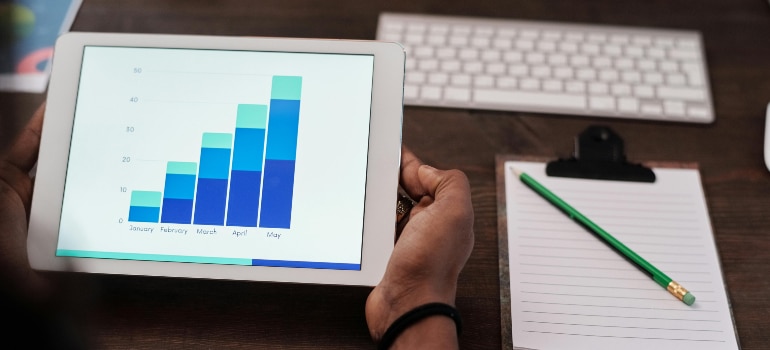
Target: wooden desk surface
[(134, 312)]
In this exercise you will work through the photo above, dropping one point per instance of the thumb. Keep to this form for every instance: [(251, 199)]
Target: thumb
[(430, 179)]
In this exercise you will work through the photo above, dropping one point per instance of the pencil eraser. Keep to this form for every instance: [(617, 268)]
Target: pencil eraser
[(688, 298)]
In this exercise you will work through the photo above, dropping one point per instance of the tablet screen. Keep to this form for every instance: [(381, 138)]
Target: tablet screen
[(219, 157)]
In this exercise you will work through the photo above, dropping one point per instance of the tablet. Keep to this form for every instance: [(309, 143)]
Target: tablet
[(241, 158)]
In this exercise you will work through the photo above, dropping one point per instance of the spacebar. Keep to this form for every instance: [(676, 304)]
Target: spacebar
[(532, 99)]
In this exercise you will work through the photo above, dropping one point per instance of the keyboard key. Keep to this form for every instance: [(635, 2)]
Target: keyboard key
[(502, 43), (457, 94), (700, 112), (411, 91), (490, 55), (496, 68), (468, 54), (675, 108), (506, 82), (451, 66), (563, 72), (530, 84), (680, 93), (460, 79), (676, 79), (518, 70), (513, 56), (598, 88), (628, 104), (631, 77), (473, 67), (423, 52), (446, 52), (534, 99), (483, 81), (576, 86), (684, 54), (652, 109), (621, 89), (552, 85), (644, 91), (541, 71), (415, 77), (587, 74), (438, 79), (427, 65), (601, 103), (480, 42), (430, 92)]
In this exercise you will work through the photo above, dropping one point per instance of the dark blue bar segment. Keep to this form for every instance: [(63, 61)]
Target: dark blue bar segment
[(305, 264), (177, 211), (210, 202), (143, 214), (243, 205), (277, 194)]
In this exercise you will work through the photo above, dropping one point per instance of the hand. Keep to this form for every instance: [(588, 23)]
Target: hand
[(430, 252), (15, 201)]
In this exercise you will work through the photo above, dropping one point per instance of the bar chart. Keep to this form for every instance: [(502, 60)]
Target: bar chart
[(219, 157), (227, 184)]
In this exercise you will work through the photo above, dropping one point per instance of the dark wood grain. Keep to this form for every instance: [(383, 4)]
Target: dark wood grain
[(140, 312)]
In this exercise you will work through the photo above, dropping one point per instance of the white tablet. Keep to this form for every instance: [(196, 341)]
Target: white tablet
[(265, 159)]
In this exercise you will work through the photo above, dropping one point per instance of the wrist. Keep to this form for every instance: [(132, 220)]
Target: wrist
[(433, 332), (387, 303)]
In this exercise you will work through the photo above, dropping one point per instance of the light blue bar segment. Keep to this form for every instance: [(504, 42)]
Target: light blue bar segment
[(152, 257)]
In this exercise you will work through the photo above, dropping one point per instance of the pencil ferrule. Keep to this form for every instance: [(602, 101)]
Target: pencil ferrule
[(677, 290)]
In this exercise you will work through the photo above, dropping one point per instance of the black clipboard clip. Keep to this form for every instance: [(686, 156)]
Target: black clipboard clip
[(599, 155)]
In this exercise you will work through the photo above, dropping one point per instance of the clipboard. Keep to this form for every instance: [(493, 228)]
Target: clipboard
[(559, 309)]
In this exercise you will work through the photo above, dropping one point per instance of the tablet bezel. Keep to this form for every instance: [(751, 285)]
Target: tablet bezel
[(382, 169)]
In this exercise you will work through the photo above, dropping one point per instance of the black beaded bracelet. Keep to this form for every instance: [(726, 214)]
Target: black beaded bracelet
[(415, 315)]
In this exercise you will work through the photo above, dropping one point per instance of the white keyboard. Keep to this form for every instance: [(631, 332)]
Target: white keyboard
[(546, 67)]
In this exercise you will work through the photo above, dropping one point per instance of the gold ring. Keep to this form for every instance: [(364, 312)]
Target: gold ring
[(404, 205)]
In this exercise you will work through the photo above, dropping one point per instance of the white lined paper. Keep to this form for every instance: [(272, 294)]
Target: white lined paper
[(569, 290)]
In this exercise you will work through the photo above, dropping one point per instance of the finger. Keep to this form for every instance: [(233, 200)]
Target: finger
[(445, 185), (410, 179), (23, 153)]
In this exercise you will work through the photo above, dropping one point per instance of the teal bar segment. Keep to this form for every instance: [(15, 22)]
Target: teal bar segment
[(152, 257), (217, 140), (145, 198), (182, 168), (286, 88), (251, 116)]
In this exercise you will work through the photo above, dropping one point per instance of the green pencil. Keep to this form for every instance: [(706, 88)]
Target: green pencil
[(664, 281)]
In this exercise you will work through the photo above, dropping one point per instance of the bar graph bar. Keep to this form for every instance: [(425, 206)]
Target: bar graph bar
[(145, 206), (281, 152), (179, 192), (213, 175), (244, 178), (246, 174)]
